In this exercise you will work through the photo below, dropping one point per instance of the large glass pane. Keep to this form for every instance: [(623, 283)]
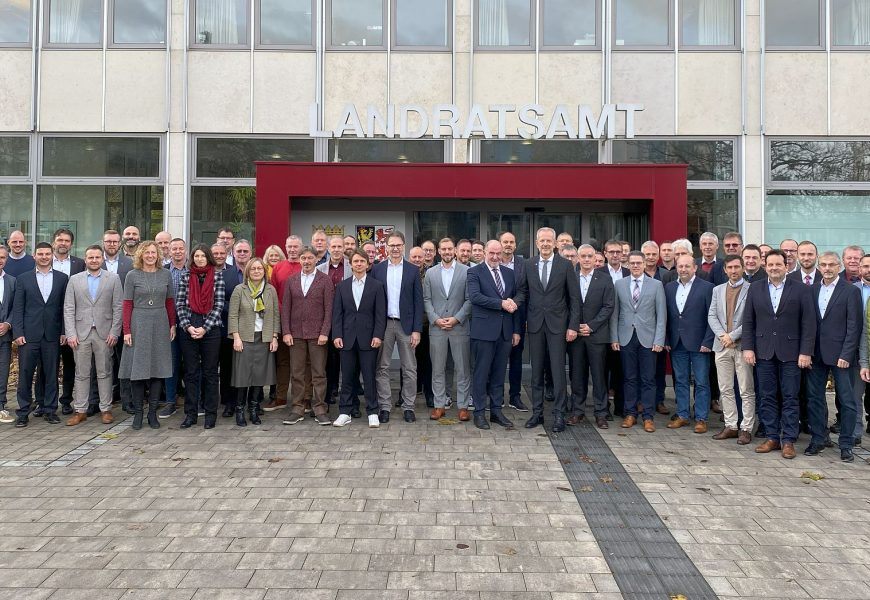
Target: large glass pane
[(711, 210), (519, 224), (421, 23), (708, 22), (832, 219), (850, 22), (16, 206), (642, 22), (820, 161), (88, 210), (139, 22), (708, 160), (504, 22), (404, 151), (75, 21), (100, 157), (221, 22), (569, 22), (14, 21), (285, 22), (559, 223), (631, 227), (14, 156), (792, 23), (436, 225), (357, 23), (234, 157), (214, 207), (539, 151)]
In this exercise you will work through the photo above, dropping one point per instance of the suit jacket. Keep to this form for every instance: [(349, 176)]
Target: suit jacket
[(788, 332), (556, 307), (104, 312), (307, 317), (647, 320), (32, 317), (666, 276), (455, 303), (759, 275), (125, 265), (690, 326), (606, 270), (716, 317), (410, 295), (6, 303), (799, 277), (242, 317), (324, 268), (489, 321), (716, 276), (76, 265), (231, 275), (595, 311), (353, 324), (838, 333)]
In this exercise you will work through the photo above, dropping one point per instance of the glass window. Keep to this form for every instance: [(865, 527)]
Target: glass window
[(642, 23), (569, 22), (75, 22), (850, 22), (708, 22), (100, 157), (14, 156), (139, 22), (708, 160), (221, 22), (820, 161), (285, 22), (422, 23), (539, 151), (631, 227), (504, 23), (405, 151), (519, 224), (793, 23), (357, 23), (16, 206), (14, 21), (213, 207), (234, 157), (830, 218), (436, 225), (711, 210)]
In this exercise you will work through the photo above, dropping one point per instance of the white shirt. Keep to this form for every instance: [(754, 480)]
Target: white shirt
[(2, 286), (509, 265), (45, 281), (357, 288), (614, 275), (258, 318), (111, 264), (549, 264), (585, 280), (61, 265), (491, 274), (307, 280), (394, 287), (683, 290), (639, 282), (811, 275), (775, 293), (447, 276), (825, 293)]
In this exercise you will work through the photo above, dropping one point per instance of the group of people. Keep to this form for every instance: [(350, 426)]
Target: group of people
[(756, 335)]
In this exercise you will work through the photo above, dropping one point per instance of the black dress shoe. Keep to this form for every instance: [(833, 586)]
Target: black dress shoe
[(65, 409), (846, 455), (409, 416), (500, 419), (398, 403), (857, 441), (805, 428), (868, 425), (92, 410), (518, 405), (534, 421), (835, 428), (210, 421), (37, 412), (355, 413), (559, 425), (813, 449), (188, 422), (828, 442), (601, 423), (52, 418), (21, 422), (384, 416), (608, 417), (228, 411), (430, 403), (480, 422)]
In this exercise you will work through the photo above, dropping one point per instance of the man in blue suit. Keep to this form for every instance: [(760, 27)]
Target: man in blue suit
[(690, 340), (495, 328), (404, 290)]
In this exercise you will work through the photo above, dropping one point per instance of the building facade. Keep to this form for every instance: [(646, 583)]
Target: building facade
[(152, 112)]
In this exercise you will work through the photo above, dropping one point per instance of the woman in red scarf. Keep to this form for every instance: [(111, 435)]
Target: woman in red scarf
[(198, 303)]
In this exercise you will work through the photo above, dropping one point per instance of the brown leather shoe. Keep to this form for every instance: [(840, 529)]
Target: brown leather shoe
[(107, 417), (274, 405), (574, 419), (726, 434), (662, 409), (677, 423), (629, 421), (649, 426), (601, 423), (744, 437), (436, 414), (464, 415), (77, 418), (715, 407), (788, 450), (700, 426), (767, 446)]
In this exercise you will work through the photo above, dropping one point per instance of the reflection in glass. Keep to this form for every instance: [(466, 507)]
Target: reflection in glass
[(539, 151), (285, 22), (16, 206), (357, 22), (421, 23), (139, 22), (75, 21), (708, 160), (850, 22), (711, 210), (214, 207), (642, 22), (519, 224), (504, 22), (830, 218), (234, 157), (708, 22), (221, 22), (14, 21), (569, 22), (436, 225), (393, 151), (792, 23), (100, 157), (14, 156), (631, 227), (804, 160)]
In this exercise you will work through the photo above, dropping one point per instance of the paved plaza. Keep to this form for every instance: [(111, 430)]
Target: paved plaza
[(430, 510)]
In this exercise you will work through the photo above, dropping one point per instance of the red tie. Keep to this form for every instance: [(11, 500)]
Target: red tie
[(706, 267), (807, 279)]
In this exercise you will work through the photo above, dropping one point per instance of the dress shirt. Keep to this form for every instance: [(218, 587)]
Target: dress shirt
[(94, 285), (492, 274), (639, 281), (359, 285), (258, 318), (585, 280), (61, 265), (176, 273), (614, 275), (509, 265), (775, 293), (307, 280), (45, 282), (804, 276), (825, 293), (683, 290), (2, 286), (394, 287), (447, 276), (542, 263), (865, 293), (111, 264)]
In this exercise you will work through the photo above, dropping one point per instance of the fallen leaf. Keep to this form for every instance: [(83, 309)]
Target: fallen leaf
[(703, 489), (179, 459), (274, 459), (606, 479), (462, 546), (812, 476), (108, 435), (678, 597), (510, 551), (140, 451), (566, 461), (622, 434), (542, 435), (564, 489), (446, 421), (587, 459), (586, 488)]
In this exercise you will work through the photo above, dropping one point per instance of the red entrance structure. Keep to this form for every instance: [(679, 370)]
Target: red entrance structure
[(278, 183)]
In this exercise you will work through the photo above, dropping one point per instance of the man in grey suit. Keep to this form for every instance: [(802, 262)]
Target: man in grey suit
[(637, 332), (448, 309), (7, 292), (92, 321)]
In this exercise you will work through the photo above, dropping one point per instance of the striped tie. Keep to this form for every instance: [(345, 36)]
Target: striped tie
[(498, 284), (635, 294)]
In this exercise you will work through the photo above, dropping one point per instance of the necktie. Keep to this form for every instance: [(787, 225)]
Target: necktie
[(635, 294), (706, 267), (498, 284), (807, 279), (545, 275)]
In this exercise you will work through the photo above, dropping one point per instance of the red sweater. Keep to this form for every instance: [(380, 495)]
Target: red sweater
[(281, 273)]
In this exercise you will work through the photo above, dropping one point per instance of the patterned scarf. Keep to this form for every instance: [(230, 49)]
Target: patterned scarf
[(257, 296)]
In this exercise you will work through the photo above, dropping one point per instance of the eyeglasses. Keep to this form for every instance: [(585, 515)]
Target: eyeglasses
[(395, 245), (790, 251)]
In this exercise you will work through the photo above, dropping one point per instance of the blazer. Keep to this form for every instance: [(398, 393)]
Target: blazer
[(454, 304), (556, 307), (410, 295), (863, 345), (716, 317), (6, 303), (125, 265), (241, 317), (231, 276), (759, 275), (359, 325), (595, 311), (690, 326), (32, 318), (799, 277), (105, 313), (648, 320), (838, 333), (716, 276), (307, 317), (788, 332), (605, 269), (489, 321), (324, 268), (76, 265)]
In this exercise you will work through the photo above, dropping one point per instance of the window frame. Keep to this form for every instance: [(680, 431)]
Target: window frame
[(26, 45), (194, 138), (328, 44), (812, 48), (20, 179), (704, 184), (596, 47), (191, 27), (841, 47), (110, 37), (738, 34), (395, 47), (46, 33), (772, 184), (642, 47), (533, 31), (259, 45), (159, 180)]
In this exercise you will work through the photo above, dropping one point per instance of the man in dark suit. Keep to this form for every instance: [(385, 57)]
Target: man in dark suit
[(690, 340), (404, 291), (37, 327), (709, 266), (359, 322), (225, 355), (806, 273), (753, 269), (589, 351), (551, 293), (838, 330), (7, 293), (495, 328), (779, 334), (614, 269), (515, 262)]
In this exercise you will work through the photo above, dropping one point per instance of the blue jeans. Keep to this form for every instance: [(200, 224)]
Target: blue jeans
[(817, 404), (639, 375), (774, 377), (685, 362)]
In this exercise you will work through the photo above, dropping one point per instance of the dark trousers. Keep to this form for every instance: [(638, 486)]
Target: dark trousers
[(424, 367), (45, 354), (366, 361), (201, 372), (548, 348), (515, 370), (587, 359), (817, 378), (67, 359), (333, 369), (225, 362), (661, 367), (639, 370), (5, 364), (778, 405), (615, 379), (138, 388), (487, 380)]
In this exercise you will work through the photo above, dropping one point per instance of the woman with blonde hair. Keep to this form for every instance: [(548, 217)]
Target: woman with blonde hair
[(271, 257)]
